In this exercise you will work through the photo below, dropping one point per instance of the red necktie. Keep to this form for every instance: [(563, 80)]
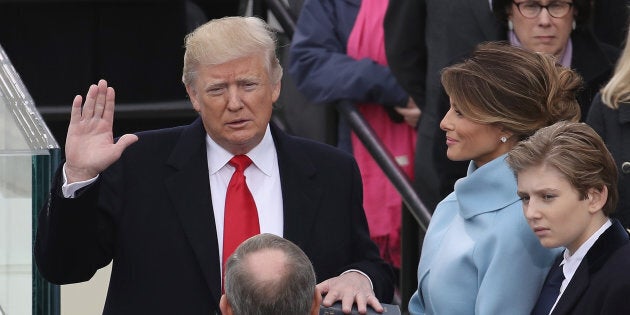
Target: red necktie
[(240, 217)]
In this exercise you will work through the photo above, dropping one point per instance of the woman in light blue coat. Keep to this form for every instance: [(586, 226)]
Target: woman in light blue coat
[(479, 255)]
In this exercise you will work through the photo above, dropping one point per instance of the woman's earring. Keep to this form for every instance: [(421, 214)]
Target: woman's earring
[(511, 25), (574, 25), (503, 139)]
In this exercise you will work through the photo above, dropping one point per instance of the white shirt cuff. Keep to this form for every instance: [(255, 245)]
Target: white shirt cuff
[(69, 190), (361, 272)]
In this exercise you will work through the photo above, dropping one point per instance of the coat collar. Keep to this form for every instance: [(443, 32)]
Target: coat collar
[(485, 189), (611, 240), (189, 191), (301, 192), (590, 57)]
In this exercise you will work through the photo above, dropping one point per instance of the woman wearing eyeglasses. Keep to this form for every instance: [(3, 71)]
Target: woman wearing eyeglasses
[(560, 28)]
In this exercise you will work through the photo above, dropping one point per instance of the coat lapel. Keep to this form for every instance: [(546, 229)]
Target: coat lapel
[(189, 190), (588, 57), (613, 238), (301, 192), (574, 290)]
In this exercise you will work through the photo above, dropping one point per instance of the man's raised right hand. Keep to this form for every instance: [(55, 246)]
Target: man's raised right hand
[(90, 146)]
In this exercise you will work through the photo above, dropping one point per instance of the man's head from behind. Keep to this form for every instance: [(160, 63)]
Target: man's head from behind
[(269, 275)]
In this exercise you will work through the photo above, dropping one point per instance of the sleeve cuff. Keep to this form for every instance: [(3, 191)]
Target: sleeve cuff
[(70, 190), (361, 272)]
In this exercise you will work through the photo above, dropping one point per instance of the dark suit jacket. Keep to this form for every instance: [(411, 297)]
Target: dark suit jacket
[(614, 128), (601, 284), (151, 213)]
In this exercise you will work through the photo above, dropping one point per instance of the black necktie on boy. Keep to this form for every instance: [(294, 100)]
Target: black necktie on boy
[(550, 290)]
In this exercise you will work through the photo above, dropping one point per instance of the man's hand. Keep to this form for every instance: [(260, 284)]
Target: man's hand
[(349, 288), (411, 113), (90, 146)]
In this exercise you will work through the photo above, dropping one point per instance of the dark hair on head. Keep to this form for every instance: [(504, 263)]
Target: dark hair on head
[(576, 151), (513, 88), (502, 8)]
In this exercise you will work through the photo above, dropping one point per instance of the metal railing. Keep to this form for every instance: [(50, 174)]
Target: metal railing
[(411, 233), (363, 130)]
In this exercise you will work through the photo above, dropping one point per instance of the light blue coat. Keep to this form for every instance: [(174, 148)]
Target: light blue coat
[(479, 255)]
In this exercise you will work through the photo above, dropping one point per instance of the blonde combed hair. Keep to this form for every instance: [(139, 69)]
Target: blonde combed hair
[(221, 40)]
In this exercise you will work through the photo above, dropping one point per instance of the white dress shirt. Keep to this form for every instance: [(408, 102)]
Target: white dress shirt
[(263, 180)]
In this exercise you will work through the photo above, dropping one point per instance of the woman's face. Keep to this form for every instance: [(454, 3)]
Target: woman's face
[(543, 33), (468, 140), (554, 210)]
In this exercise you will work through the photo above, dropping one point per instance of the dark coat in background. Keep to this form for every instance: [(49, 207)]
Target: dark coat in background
[(421, 38), (614, 128)]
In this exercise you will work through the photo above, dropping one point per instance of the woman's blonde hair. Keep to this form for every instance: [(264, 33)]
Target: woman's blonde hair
[(511, 87), (617, 90)]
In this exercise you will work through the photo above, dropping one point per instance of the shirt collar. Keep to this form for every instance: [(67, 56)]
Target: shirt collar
[(570, 263), (262, 155)]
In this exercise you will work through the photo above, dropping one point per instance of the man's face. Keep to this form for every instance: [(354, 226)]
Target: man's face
[(235, 101)]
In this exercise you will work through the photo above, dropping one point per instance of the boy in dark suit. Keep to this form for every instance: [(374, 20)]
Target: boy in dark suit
[(567, 181)]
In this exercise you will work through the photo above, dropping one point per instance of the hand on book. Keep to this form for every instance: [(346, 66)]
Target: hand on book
[(350, 288)]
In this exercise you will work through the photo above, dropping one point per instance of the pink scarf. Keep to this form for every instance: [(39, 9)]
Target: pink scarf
[(381, 201)]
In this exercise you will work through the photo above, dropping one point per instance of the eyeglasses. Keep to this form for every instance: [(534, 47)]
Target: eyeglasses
[(531, 9)]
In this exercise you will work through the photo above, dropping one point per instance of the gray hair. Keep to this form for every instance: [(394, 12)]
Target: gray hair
[(221, 40), (291, 292)]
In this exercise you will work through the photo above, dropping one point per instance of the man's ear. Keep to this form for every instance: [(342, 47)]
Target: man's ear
[(317, 301), (192, 95), (597, 199), (224, 305), (275, 92)]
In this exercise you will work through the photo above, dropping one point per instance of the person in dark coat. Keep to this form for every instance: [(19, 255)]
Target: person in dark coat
[(154, 203), (567, 183), (610, 116)]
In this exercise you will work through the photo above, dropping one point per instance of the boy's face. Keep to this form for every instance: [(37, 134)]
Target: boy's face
[(554, 209)]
